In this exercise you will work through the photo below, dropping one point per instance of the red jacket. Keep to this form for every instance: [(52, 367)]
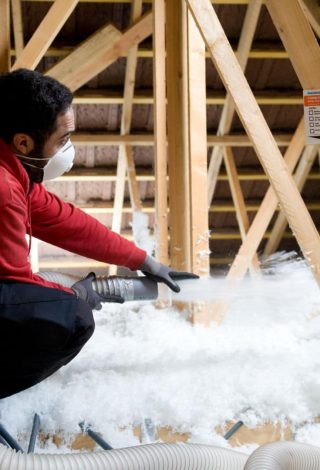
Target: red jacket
[(30, 209)]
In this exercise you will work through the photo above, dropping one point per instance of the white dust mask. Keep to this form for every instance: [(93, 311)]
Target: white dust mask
[(61, 162)]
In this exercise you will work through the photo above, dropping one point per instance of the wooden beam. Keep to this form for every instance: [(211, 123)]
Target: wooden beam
[(160, 132), (256, 127), (217, 98), (298, 39), (306, 161), (197, 148), (101, 174), (45, 34), (238, 199), (283, 140), (4, 36), (245, 43), (267, 208), (17, 27), (312, 11), (265, 50), (125, 158), (98, 52), (176, 123)]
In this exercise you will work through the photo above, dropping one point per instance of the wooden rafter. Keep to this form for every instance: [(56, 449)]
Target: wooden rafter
[(264, 215), (98, 52), (45, 34), (125, 158), (298, 39), (4, 36), (245, 43), (160, 131), (307, 54), (256, 127), (312, 11), (305, 164), (17, 27), (238, 199)]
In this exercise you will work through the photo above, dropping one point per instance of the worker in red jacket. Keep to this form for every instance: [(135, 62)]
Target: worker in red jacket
[(44, 325)]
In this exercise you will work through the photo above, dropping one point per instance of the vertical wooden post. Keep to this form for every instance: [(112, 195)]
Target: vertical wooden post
[(125, 158), (187, 141), (4, 36), (197, 148), (17, 26), (179, 219), (160, 130)]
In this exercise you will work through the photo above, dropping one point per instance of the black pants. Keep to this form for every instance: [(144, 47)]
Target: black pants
[(41, 329)]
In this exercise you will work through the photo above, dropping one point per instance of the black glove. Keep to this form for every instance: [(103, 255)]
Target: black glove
[(84, 290), (160, 273)]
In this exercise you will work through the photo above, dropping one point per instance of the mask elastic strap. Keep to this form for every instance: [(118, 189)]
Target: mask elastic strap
[(32, 158)]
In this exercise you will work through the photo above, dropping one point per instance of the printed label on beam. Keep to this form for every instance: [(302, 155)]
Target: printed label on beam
[(311, 101)]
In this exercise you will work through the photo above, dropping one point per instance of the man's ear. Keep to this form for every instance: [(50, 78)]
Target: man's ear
[(23, 143)]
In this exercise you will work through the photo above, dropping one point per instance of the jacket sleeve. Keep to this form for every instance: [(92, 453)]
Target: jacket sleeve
[(62, 224)]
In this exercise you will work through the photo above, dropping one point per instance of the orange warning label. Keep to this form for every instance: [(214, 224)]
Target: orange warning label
[(313, 100)]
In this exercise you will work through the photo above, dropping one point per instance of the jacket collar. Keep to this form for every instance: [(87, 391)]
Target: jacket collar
[(12, 164)]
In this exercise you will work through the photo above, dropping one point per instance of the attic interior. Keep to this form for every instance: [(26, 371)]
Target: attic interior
[(167, 127), (116, 171)]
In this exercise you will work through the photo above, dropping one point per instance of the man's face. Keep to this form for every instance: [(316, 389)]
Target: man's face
[(65, 127)]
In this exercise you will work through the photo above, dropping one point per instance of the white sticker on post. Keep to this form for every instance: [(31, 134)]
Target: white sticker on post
[(311, 102)]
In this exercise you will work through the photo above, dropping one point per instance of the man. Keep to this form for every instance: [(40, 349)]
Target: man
[(44, 325)]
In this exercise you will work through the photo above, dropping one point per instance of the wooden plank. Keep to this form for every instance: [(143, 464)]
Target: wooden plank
[(160, 132), (266, 50), (256, 127), (4, 36), (298, 39), (283, 140), (45, 34), (306, 161), (217, 98), (267, 208), (197, 148), (179, 220), (98, 52), (312, 12), (17, 27), (245, 43), (125, 158), (238, 199)]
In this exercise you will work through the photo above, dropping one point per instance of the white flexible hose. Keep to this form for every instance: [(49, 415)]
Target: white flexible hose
[(284, 456), (146, 457)]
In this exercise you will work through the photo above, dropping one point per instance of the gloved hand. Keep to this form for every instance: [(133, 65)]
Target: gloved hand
[(84, 290), (160, 273)]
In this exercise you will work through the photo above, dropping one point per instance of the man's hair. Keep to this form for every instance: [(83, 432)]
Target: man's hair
[(30, 103)]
